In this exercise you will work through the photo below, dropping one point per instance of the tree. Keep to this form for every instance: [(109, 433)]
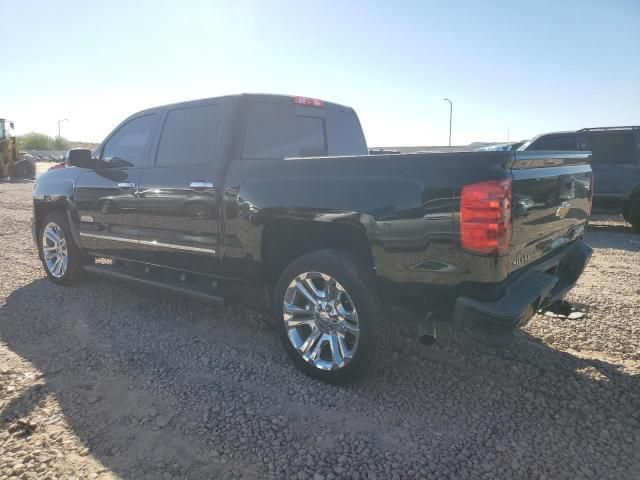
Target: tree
[(60, 143), (40, 141), (35, 141)]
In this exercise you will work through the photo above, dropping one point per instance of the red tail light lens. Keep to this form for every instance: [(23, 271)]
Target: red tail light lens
[(485, 217), (309, 102)]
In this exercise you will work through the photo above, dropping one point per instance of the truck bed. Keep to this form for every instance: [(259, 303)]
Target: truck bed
[(408, 206)]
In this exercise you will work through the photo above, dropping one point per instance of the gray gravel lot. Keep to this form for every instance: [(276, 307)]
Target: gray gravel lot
[(106, 380)]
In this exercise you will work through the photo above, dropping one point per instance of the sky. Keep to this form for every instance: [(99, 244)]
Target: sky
[(510, 67)]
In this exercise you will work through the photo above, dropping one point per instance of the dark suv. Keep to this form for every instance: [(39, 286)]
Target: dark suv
[(615, 162)]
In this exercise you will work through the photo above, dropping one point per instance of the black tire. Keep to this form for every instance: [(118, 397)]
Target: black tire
[(358, 281), (24, 169), (32, 171), (20, 171), (634, 215), (75, 257)]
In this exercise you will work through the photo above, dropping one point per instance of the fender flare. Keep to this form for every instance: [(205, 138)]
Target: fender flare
[(55, 195)]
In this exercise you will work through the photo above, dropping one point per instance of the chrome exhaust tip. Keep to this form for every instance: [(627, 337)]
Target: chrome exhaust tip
[(427, 331)]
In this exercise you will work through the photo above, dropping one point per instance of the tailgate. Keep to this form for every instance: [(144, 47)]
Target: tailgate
[(551, 202)]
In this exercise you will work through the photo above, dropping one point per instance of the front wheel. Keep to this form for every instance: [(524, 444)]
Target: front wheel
[(329, 317), (61, 257)]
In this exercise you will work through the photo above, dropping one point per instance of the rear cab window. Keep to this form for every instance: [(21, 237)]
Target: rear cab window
[(280, 130)]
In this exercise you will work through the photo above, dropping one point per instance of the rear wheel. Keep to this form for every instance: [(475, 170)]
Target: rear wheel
[(329, 317), (61, 257)]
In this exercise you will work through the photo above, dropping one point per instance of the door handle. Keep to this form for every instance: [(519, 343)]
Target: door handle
[(201, 185), (126, 185)]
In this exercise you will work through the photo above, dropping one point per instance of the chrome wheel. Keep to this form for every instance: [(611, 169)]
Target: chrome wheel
[(321, 320), (54, 250)]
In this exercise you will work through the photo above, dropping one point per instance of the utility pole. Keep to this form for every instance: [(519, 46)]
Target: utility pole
[(59, 122), (450, 117), (508, 133)]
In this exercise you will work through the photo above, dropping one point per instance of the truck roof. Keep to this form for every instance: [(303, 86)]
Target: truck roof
[(603, 129), (590, 129), (263, 97)]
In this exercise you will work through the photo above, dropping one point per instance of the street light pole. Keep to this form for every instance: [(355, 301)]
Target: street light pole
[(450, 117), (59, 122)]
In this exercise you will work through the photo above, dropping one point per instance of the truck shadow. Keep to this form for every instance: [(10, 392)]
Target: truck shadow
[(17, 180), (154, 383)]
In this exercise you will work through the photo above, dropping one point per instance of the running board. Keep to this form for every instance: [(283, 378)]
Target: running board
[(176, 285)]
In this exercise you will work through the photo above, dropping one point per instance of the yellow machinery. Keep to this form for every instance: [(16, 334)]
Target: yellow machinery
[(11, 164)]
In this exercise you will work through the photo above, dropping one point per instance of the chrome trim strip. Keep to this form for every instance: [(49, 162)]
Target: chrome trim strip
[(108, 237), (151, 243), (177, 247)]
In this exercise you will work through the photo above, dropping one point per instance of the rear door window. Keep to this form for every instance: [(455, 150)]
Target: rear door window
[(190, 136), (555, 142), (612, 147)]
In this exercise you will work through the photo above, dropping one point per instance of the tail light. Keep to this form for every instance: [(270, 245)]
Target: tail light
[(309, 102), (485, 217)]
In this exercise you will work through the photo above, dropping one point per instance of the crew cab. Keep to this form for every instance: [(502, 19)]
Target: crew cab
[(615, 160), (246, 194)]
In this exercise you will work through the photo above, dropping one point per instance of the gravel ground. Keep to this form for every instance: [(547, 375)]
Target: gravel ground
[(105, 380)]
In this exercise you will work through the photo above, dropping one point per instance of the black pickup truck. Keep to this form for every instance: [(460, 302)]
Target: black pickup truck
[(247, 194)]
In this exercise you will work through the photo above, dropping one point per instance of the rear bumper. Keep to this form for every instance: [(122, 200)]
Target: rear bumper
[(515, 300)]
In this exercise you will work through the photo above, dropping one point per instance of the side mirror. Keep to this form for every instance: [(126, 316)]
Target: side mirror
[(80, 157)]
